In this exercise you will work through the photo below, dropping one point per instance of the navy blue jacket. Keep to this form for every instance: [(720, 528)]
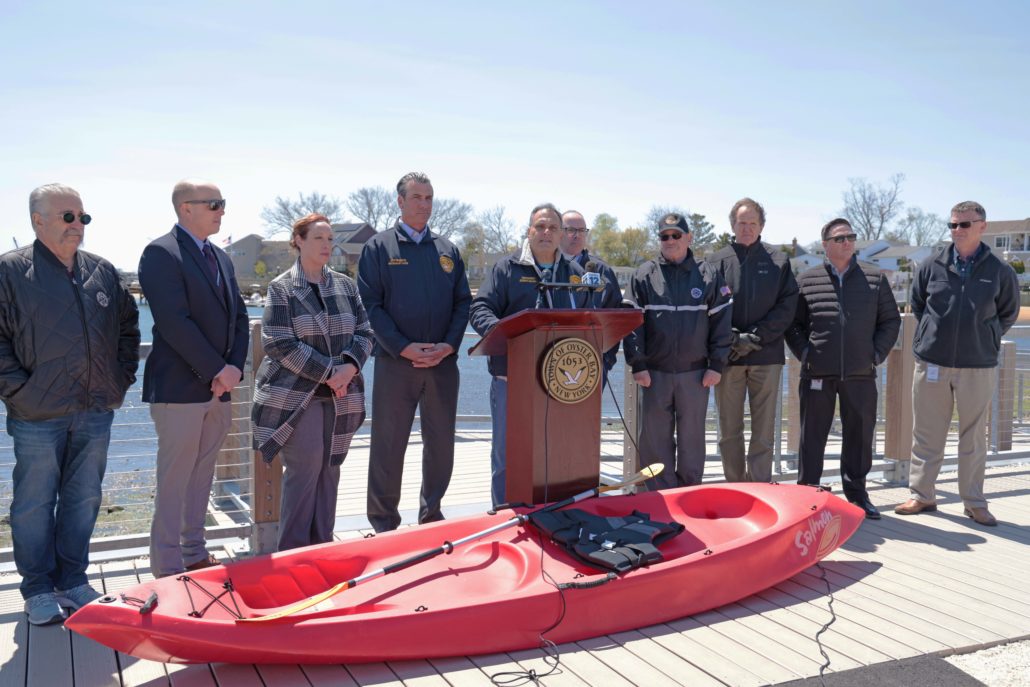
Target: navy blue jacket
[(511, 288), (961, 322), (199, 327), (413, 292)]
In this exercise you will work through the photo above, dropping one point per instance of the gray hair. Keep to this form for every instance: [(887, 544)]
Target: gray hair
[(545, 206), (417, 177), (39, 196), (970, 206), (747, 203)]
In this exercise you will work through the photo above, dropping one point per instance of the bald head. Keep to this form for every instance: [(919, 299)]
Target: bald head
[(199, 207)]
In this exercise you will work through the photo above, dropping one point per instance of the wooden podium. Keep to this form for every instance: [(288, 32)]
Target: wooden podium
[(554, 396)]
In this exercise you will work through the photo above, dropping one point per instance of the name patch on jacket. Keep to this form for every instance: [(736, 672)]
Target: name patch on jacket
[(398, 261), (527, 280)]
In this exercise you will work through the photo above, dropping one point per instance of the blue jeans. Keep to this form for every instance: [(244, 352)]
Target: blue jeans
[(499, 421), (58, 469)]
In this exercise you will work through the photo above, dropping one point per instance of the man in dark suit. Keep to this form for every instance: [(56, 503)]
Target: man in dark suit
[(200, 345)]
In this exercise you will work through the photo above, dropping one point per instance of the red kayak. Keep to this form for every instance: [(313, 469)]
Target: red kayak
[(487, 597)]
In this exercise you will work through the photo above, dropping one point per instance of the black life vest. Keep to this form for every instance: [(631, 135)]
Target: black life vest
[(621, 543)]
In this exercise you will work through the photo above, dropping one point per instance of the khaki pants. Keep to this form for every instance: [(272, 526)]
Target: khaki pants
[(970, 389), (761, 384)]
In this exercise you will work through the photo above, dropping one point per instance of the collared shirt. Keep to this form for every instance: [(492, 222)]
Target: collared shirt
[(839, 275), (414, 235), (200, 247), (964, 266)]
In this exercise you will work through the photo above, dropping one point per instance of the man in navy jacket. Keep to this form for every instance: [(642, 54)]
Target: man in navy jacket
[(200, 345)]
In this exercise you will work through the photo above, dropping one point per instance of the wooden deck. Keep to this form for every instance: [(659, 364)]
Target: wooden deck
[(931, 584)]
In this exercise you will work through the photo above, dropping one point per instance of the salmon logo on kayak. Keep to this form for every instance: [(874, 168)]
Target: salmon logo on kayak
[(823, 528)]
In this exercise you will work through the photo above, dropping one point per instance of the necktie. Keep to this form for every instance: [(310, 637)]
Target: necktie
[(212, 265)]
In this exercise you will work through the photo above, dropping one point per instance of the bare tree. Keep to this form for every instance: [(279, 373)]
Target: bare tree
[(375, 206), (450, 217), (655, 214), (922, 228), (870, 208), (283, 212), (499, 235)]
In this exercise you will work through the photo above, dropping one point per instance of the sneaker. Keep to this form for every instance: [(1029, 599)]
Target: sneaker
[(77, 597), (43, 609)]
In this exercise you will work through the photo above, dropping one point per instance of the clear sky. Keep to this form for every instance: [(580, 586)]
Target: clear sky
[(598, 106)]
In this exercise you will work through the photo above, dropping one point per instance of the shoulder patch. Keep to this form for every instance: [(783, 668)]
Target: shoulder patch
[(696, 292), (446, 264), (725, 290)]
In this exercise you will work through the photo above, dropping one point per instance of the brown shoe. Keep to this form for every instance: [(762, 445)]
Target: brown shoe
[(982, 516), (913, 506), (208, 562)]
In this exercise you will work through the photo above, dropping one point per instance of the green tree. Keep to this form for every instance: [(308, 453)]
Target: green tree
[(722, 241), (260, 268), (1017, 265), (703, 231)]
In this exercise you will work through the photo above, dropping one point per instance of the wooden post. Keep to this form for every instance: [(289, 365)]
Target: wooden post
[(793, 405), (268, 477), (1006, 391), (901, 365)]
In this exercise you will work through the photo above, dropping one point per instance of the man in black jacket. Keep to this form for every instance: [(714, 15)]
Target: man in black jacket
[(678, 353), (846, 323), (765, 296), (413, 285), (510, 288), (69, 349), (964, 299)]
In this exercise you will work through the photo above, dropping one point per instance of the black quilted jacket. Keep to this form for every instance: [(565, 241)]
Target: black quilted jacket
[(68, 343)]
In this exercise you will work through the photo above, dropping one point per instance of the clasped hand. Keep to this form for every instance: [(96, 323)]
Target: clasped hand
[(341, 378), (426, 354)]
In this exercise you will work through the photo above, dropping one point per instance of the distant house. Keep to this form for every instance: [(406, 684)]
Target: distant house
[(348, 240), (894, 258), (1009, 239)]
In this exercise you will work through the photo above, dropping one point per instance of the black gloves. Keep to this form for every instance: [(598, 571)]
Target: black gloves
[(743, 344)]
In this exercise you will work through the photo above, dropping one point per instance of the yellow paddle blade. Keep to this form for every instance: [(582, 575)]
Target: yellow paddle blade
[(301, 605), (652, 470)]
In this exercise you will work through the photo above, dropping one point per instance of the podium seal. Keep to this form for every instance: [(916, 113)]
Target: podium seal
[(571, 370)]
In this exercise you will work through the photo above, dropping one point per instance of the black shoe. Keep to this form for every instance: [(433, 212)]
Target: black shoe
[(867, 507)]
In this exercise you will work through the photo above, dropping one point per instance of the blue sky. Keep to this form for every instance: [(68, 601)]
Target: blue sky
[(599, 106)]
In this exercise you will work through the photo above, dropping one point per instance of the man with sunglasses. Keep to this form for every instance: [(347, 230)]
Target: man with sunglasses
[(574, 247), (964, 299), (846, 323), (69, 349), (765, 296), (678, 353), (200, 345)]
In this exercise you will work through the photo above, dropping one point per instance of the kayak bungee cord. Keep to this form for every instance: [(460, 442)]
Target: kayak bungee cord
[(447, 547)]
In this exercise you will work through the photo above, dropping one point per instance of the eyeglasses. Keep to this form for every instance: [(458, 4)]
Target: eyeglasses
[(214, 205), (670, 237), (963, 225), (850, 238), (69, 217), (576, 230)]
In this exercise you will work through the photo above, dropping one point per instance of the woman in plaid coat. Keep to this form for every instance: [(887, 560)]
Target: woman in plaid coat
[(309, 395)]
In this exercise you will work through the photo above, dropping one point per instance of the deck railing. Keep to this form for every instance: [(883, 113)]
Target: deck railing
[(245, 494)]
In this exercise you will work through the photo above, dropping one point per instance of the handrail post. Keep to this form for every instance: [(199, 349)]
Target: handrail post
[(1006, 383), (901, 365), (268, 477), (631, 426)]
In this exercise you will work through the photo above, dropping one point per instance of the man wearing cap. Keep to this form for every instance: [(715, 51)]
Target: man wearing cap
[(964, 299), (413, 285), (574, 248), (678, 353), (765, 295), (69, 349), (510, 288), (201, 333), (846, 323)]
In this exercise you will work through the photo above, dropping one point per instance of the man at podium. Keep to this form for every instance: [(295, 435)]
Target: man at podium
[(511, 287)]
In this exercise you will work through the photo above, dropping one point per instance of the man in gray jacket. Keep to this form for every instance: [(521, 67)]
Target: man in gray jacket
[(964, 299), (69, 349)]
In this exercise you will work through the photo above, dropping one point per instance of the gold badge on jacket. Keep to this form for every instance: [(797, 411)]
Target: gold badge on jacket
[(447, 264), (571, 370), (574, 279)]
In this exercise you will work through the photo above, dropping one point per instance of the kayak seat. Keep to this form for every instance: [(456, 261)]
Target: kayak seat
[(300, 580)]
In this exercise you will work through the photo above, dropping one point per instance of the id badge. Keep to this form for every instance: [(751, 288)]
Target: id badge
[(933, 373), (817, 385)]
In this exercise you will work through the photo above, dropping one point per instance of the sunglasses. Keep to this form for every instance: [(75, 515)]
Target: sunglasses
[(962, 225), (214, 205), (670, 237), (850, 238), (69, 217)]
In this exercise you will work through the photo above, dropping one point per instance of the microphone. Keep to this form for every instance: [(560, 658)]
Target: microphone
[(592, 278), (545, 278)]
